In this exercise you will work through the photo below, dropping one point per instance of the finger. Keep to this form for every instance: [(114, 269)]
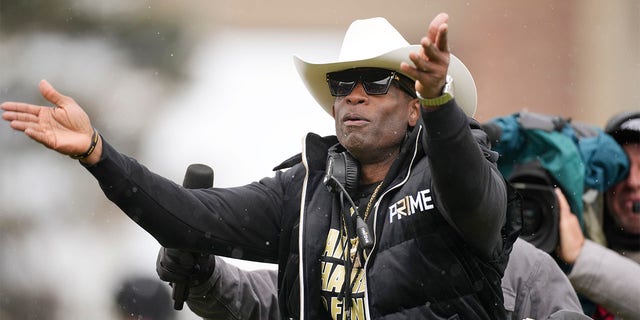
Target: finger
[(563, 205), (420, 62), (442, 39), (408, 69), (35, 134), (412, 72), (20, 116), (21, 107), (432, 53), (51, 94), (24, 125), (435, 25)]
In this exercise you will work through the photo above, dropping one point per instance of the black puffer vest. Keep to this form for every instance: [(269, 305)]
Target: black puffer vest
[(420, 268)]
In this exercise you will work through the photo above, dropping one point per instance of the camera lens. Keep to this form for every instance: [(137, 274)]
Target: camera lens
[(532, 215), (540, 216)]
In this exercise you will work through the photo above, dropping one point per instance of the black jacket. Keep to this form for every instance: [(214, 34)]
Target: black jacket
[(441, 259)]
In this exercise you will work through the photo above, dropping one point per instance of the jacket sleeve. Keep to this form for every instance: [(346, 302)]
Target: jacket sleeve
[(241, 222), (466, 181), (608, 279), (534, 286), (235, 293)]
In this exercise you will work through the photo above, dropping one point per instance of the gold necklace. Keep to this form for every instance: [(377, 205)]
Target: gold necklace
[(373, 198), (354, 253)]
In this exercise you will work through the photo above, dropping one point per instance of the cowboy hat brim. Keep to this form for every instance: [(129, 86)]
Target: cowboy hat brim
[(314, 76)]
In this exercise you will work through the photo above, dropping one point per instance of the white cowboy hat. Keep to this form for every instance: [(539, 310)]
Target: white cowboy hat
[(376, 43)]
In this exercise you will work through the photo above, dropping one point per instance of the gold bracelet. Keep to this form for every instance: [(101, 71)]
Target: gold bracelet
[(94, 142)]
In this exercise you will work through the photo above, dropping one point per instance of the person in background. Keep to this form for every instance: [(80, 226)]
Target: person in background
[(143, 298), (582, 162), (402, 214), (534, 286), (605, 265), (219, 289)]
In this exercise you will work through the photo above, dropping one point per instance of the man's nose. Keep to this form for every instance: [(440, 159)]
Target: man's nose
[(358, 95), (633, 180)]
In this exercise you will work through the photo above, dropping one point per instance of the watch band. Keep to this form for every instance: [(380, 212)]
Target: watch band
[(438, 101)]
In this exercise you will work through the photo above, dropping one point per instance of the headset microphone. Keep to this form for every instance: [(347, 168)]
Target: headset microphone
[(198, 176), (363, 233)]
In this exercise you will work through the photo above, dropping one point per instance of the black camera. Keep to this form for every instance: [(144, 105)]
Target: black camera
[(540, 208)]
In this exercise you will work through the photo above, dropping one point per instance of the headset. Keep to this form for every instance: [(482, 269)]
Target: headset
[(343, 171), (341, 177)]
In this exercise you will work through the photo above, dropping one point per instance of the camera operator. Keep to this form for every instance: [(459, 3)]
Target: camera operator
[(540, 153), (610, 277)]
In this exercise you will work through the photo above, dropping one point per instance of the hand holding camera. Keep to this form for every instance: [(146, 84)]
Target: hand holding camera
[(571, 237)]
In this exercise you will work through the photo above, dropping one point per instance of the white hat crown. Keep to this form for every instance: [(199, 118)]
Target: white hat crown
[(370, 38)]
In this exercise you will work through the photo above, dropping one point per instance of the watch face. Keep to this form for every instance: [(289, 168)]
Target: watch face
[(448, 86)]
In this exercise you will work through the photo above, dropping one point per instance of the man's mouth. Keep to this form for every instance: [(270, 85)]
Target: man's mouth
[(354, 120)]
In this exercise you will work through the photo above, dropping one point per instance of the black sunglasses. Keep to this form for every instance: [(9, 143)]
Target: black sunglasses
[(376, 81)]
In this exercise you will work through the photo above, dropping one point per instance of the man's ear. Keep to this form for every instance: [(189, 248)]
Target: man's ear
[(333, 111), (414, 112)]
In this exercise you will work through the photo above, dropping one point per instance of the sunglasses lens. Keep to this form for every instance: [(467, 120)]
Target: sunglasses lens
[(340, 88), (375, 81)]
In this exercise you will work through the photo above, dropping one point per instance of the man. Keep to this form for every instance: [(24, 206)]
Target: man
[(622, 215), (609, 277), (431, 231)]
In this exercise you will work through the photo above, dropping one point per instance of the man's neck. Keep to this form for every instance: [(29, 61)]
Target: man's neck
[(375, 172)]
